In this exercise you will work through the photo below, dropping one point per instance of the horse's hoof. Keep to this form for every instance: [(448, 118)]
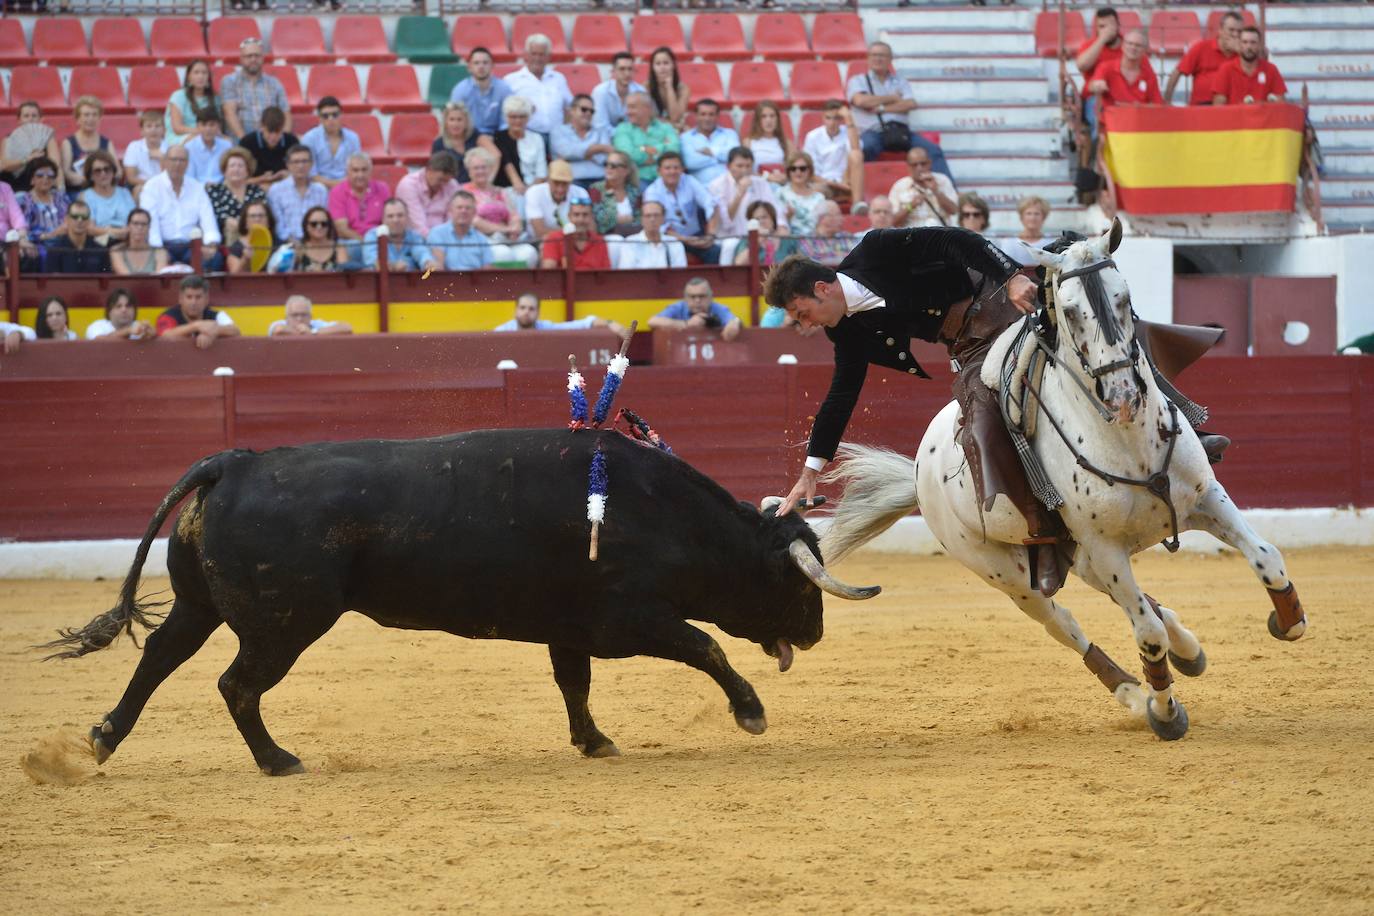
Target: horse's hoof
[(1293, 634), (753, 725), (607, 749), (1189, 667), (288, 765), (99, 750), (1172, 729)]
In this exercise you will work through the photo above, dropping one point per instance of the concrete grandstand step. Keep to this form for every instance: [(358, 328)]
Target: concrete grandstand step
[(1348, 162), (1338, 139), (960, 43), (969, 19), (968, 67), (1348, 216), (1031, 91), (1282, 41), (987, 117), (1002, 142), (1341, 114), (1333, 89), (1353, 188), (1319, 15), (1332, 63), (1007, 191), (982, 166)]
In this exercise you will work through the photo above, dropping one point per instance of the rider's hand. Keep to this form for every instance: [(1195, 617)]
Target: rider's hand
[(805, 489), (1021, 292)]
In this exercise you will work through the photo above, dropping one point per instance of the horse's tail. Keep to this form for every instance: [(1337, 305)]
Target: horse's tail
[(879, 489), (106, 627)]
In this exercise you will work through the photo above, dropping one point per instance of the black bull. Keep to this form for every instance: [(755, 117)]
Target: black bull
[(481, 534)]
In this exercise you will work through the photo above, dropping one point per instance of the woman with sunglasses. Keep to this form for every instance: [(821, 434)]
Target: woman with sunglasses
[(671, 96), (974, 214), (767, 141), (801, 202), (51, 322), (110, 204), (319, 249), (197, 94), (238, 257), (136, 256), (31, 139), (87, 139), (616, 198), (44, 208)]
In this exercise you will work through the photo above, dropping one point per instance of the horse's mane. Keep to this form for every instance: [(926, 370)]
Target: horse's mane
[(1101, 305)]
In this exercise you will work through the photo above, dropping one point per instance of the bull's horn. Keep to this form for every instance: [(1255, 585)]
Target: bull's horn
[(811, 568)]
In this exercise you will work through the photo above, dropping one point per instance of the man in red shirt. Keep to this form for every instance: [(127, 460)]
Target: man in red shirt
[(1130, 80), (1104, 46), (1205, 58), (1249, 78), (589, 250)]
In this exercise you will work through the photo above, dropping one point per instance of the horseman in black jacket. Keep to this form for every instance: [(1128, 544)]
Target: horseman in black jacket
[(940, 284)]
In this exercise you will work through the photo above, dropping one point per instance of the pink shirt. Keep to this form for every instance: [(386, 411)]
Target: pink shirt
[(361, 215), (11, 217), (426, 210)]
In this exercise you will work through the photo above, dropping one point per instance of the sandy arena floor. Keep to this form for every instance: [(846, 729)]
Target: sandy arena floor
[(937, 752)]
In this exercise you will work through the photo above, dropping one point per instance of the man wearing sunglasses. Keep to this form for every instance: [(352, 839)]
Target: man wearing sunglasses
[(331, 143), (76, 251), (248, 90), (582, 143)]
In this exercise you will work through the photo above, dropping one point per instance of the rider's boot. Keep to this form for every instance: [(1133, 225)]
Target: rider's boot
[(1213, 445), (1049, 547)]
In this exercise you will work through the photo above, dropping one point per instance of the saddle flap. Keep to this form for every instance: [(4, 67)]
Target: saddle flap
[(1171, 348)]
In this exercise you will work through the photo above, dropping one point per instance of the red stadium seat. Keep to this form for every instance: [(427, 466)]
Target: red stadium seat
[(389, 174), (1214, 21), (1047, 33), (151, 87), (810, 120), (1127, 19), (299, 40), (719, 36), (815, 82), (122, 129), (177, 41), (880, 176), (60, 41), (303, 121), (393, 87), (580, 77), (369, 131), (598, 37), (854, 68), (361, 40), (412, 137), (290, 81), (704, 80), (104, 84), (649, 32), (338, 80), (781, 36), (14, 47), (751, 83), (1172, 31), (747, 122), (118, 42), (550, 25), (506, 69), (481, 32), (227, 32), (39, 84), (838, 36)]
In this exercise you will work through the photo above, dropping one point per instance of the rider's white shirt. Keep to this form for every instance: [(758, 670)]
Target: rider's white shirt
[(857, 297)]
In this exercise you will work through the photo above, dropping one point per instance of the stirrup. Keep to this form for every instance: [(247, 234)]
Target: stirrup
[(1213, 445)]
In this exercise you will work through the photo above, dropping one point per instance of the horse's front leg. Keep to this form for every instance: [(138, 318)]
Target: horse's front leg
[(1111, 568), (1219, 517)]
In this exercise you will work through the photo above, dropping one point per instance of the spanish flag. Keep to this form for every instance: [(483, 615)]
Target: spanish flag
[(1204, 159)]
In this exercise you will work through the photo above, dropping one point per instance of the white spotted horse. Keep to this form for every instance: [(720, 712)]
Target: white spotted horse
[(1126, 462)]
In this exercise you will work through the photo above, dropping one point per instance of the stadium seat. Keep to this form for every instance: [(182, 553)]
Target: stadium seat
[(361, 40), (810, 120), (118, 42), (338, 80), (481, 32), (1214, 21), (122, 129), (1172, 31), (442, 79), (549, 25), (227, 32), (649, 32), (14, 47), (393, 87), (854, 68), (815, 82), (389, 174), (704, 80), (781, 36), (423, 39), (412, 137), (504, 70), (299, 40), (104, 84), (580, 77), (39, 84), (718, 36), (1047, 33), (60, 41), (177, 41), (369, 131), (751, 83), (303, 121), (291, 82), (598, 37), (838, 36), (747, 122), (879, 177), (1128, 19), (151, 87)]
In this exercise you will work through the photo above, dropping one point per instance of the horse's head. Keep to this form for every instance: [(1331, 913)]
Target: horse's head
[(1095, 322)]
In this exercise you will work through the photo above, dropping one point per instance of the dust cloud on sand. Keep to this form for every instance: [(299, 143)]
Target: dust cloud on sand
[(935, 752)]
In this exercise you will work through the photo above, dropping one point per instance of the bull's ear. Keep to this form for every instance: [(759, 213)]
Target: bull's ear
[(1046, 258), (1114, 238)]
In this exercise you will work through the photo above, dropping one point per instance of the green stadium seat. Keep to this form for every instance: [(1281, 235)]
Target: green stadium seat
[(442, 79), (423, 39)]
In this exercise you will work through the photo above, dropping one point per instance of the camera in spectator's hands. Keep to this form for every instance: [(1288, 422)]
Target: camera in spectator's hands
[(711, 321)]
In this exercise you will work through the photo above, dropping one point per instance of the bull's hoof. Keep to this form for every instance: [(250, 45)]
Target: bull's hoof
[(606, 748), (285, 764), (99, 749), (754, 725), (1170, 729), (1189, 667), (1294, 632)]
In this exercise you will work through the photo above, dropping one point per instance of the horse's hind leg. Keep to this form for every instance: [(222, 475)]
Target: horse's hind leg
[(175, 640), (1219, 517)]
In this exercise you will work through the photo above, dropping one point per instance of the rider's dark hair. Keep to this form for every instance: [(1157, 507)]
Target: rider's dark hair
[(795, 276)]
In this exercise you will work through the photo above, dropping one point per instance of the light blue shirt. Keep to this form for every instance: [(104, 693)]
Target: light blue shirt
[(544, 324), (485, 107), (410, 249), (700, 166), (203, 161), (331, 165), (289, 207), (688, 208), (471, 252), (566, 144), (610, 111), (113, 211)]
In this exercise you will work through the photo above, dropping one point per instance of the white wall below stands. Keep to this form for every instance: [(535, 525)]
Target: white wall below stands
[(1148, 265), (88, 560)]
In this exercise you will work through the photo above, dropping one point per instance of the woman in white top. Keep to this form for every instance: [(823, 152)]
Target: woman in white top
[(767, 141), (801, 202), (51, 323), (120, 321), (1033, 211)]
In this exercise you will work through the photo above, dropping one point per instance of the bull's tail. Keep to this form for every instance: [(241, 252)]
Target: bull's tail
[(104, 628), (879, 489)]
